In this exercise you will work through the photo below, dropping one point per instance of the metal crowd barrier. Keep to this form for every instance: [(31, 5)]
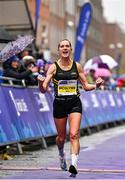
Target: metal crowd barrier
[(11, 81)]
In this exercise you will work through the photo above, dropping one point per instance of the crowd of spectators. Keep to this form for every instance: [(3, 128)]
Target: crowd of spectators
[(24, 67)]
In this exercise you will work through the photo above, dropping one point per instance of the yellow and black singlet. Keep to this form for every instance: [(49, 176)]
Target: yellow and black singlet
[(66, 81)]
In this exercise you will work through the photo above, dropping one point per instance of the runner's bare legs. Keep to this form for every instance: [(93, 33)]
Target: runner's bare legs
[(74, 126), (60, 140)]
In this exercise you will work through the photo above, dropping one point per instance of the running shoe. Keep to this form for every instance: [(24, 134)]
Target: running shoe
[(73, 171), (63, 164)]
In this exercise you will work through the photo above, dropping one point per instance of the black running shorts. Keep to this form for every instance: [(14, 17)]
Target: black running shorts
[(64, 106)]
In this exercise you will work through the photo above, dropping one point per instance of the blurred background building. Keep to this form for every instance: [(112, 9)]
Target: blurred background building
[(58, 19), (114, 44), (15, 17)]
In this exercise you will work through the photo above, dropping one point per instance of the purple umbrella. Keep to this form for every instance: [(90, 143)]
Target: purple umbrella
[(15, 47)]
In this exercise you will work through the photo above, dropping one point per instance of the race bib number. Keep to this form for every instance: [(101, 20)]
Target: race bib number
[(67, 87)]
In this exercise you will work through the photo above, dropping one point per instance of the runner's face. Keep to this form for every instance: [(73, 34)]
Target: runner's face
[(65, 49)]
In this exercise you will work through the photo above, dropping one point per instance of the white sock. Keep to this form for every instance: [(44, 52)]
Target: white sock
[(74, 158)]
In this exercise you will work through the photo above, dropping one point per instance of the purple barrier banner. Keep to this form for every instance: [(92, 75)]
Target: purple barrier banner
[(122, 95), (92, 111), (31, 112), (120, 105), (102, 106), (8, 131), (25, 113), (43, 104), (22, 112)]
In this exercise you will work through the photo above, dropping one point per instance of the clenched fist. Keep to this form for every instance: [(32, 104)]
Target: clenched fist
[(99, 82)]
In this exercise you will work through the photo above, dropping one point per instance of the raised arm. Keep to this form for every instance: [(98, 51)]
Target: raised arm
[(43, 82), (84, 82)]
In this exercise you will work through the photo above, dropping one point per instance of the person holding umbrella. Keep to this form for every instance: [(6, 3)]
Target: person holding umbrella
[(12, 68), (65, 74)]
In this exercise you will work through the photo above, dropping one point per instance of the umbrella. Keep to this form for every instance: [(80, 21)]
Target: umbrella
[(109, 61), (102, 72), (103, 65), (15, 47), (106, 59)]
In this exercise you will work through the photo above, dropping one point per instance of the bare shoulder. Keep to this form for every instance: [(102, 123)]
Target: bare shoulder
[(79, 67), (51, 69)]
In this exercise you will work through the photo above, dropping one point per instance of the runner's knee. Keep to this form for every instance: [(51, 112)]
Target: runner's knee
[(61, 139), (74, 136)]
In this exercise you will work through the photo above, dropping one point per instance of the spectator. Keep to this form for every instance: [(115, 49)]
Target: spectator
[(12, 68), (24, 53), (91, 76), (31, 64), (25, 58), (112, 84)]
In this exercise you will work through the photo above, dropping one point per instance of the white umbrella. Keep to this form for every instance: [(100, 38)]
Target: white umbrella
[(90, 64), (109, 61)]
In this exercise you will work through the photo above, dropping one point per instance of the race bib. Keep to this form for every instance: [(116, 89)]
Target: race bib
[(67, 87)]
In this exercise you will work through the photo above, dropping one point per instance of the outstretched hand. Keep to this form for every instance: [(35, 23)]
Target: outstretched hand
[(99, 82)]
